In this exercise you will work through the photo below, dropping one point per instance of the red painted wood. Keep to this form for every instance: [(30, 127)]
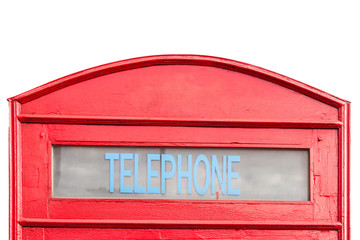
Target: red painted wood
[(12, 170), (182, 92), (196, 60), (344, 171), (186, 101), (85, 233), (179, 224), (37, 118), (36, 165)]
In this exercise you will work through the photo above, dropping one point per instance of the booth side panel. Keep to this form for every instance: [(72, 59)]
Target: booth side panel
[(344, 171), (15, 207), (12, 137)]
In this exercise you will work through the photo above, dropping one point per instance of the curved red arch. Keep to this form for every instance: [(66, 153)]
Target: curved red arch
[(199, 60)]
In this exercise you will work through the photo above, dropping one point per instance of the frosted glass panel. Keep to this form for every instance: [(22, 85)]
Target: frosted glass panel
[(180, 173)]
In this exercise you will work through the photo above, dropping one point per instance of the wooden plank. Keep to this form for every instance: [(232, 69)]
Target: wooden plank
[(179, 224), (98, 234), (111, 120)]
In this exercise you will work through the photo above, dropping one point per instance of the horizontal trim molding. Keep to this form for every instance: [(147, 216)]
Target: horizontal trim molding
[(110, 120), (177, 224)]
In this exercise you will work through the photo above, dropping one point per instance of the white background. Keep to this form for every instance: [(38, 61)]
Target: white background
[(315, 42)]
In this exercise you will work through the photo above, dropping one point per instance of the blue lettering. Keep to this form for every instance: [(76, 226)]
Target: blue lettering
[(164, 175), (137, 189), (184, 174), (125, 173), (151, 173), (232, 175), (201, 158), (111, 157), (168, 170), (215, 169)]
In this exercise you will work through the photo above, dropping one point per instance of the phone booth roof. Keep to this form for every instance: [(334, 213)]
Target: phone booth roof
[(181, 101)]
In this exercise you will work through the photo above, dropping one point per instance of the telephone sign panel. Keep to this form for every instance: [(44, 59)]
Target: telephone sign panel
[(180, 173)]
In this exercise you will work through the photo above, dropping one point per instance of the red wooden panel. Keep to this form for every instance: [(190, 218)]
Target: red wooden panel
[(181, 92), (105, 234), (32, 233), (35, 166), (325, 167), (36, 187)]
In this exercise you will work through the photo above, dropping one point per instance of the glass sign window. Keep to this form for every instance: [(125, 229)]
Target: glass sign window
[(180, 173)]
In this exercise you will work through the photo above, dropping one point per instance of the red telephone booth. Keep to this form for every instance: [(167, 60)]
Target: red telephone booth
[(178, 146)]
